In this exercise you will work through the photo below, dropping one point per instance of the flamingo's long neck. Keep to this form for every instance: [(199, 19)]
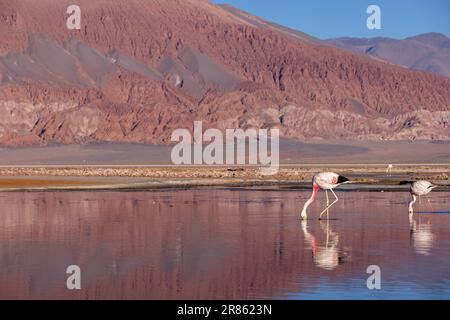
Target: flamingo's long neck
[(414, 199), (310, 239), (310, 200)]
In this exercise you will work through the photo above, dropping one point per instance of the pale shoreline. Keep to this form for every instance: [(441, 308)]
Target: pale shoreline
[(67, 178), (146, 167)]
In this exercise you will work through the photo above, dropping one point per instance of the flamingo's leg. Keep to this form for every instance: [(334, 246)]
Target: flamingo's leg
[(332, 204), (328, 203)]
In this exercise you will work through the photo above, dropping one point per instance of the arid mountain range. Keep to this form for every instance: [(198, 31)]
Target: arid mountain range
[(138, 69), (427, 52)]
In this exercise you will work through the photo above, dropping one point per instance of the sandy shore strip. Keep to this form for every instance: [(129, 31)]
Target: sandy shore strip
[(125, 166), (123, 177)]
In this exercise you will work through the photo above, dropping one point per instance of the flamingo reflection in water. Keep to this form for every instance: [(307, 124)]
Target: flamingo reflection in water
[(421, 235), (329, 256)]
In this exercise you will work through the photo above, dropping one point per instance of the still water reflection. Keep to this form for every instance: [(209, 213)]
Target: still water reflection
[(422, 236), (214, 244), (327, 256)]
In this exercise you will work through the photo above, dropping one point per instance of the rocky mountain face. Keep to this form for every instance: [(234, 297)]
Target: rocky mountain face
[(427, 52), (137, 70)]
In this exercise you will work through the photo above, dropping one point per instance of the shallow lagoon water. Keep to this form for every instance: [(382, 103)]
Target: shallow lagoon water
[(222, 244)]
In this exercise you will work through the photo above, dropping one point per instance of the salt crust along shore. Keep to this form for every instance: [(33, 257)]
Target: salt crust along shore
[(93, 178)]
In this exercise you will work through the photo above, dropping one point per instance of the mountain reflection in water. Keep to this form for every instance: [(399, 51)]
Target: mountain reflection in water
[(219, 244)]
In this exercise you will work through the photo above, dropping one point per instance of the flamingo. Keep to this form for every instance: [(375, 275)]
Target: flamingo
[(325, 181), (389, 169), (419, 188)]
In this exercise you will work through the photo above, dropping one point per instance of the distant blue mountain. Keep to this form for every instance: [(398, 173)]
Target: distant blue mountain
[(427, 52)]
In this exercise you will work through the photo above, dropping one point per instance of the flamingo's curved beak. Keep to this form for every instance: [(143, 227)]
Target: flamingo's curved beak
[(342, 180)]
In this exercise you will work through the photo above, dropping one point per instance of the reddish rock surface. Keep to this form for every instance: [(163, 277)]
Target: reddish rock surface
[(138, 69)]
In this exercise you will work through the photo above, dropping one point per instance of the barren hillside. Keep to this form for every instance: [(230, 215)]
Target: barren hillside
[(139, 69)]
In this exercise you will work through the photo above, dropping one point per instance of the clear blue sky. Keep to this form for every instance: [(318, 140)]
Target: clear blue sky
[(337, 18)]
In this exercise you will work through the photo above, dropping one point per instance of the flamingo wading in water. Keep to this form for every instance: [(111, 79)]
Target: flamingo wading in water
[(418, 189), (325, 181)]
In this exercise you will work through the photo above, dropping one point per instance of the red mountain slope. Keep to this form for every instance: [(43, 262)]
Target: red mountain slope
[(138, 69)]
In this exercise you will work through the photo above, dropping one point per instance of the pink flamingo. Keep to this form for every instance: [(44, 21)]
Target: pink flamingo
[(325, 181), (418, 189)]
